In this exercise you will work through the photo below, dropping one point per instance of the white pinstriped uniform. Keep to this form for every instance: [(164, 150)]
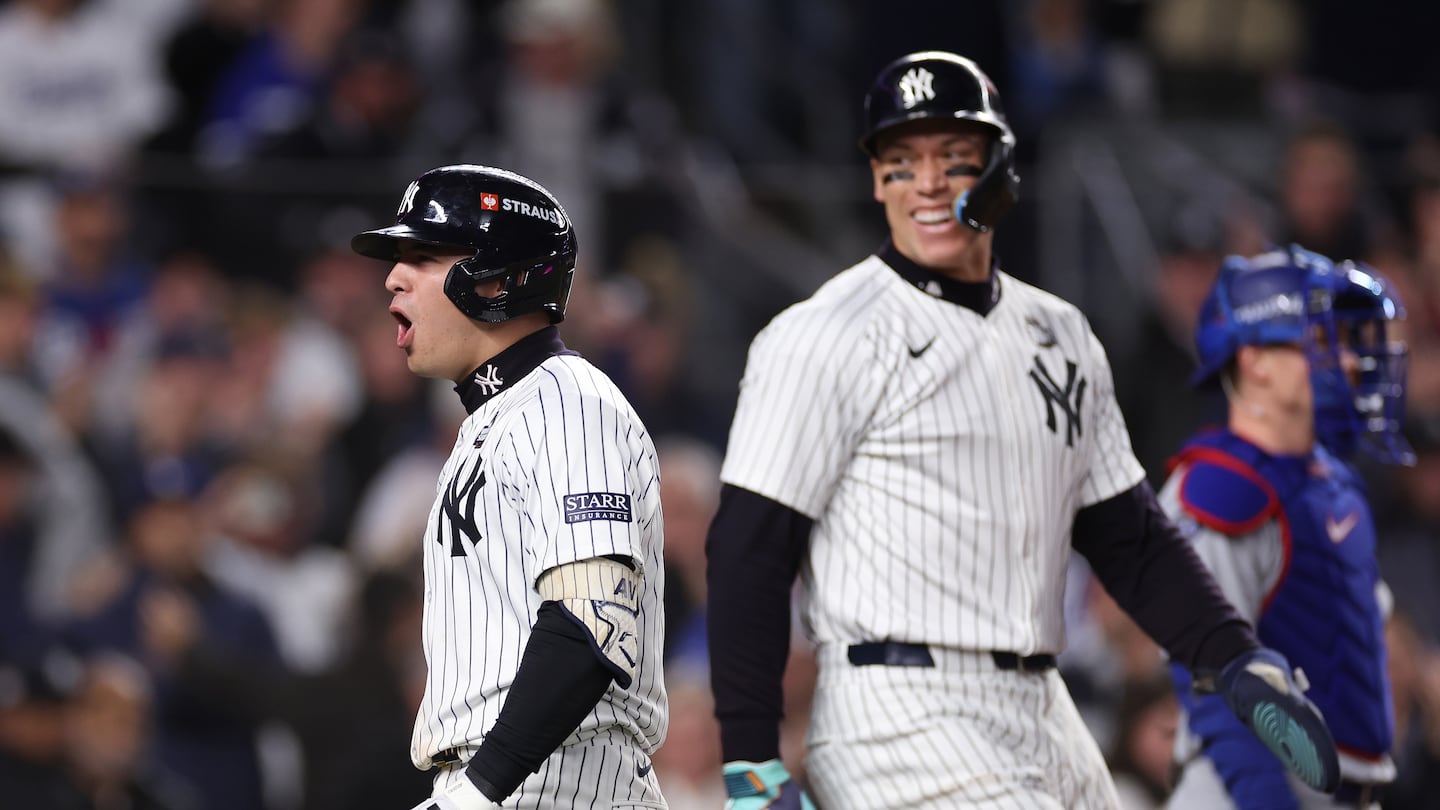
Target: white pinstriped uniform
[(561, 430), (943, 485)]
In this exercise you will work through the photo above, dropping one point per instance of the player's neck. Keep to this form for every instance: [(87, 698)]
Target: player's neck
[(974, 268), (973, 265), (495, 338)]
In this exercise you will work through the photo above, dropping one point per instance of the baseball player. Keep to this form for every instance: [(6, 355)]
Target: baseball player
[(922, 442), (543, 575), (1282, 521)]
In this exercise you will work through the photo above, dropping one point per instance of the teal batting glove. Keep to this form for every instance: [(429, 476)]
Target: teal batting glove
[(762, 785)]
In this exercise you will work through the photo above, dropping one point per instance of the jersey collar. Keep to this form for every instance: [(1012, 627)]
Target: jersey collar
[(980, 296), (521, 358)]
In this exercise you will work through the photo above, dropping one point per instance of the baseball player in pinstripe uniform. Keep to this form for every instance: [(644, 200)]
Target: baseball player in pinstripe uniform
[(543, 576), (922, 442), (1282, 520)]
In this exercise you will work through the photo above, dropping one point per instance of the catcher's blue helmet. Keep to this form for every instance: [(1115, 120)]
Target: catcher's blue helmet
[(1365, 303), (1277, 297), (1292, 296), (1283, 296)]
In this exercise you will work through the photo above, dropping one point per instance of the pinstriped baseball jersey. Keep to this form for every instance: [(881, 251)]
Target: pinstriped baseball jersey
[(552, 468), (942, 454)]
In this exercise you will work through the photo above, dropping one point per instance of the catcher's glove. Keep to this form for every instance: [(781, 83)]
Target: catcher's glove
[(762, 785), (1259, 688)]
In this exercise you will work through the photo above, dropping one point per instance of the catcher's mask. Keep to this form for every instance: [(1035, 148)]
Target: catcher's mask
[(1281, 297), (1365, 305)]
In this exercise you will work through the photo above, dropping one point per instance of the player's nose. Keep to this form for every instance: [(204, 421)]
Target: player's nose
[(397, 280), (930, 177)]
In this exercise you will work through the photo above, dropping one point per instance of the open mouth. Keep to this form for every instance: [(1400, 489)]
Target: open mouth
[(933, 216), (405, 329)]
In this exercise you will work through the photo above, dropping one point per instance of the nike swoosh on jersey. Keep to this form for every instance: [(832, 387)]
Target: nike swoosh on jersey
[(642, 770), (917, 352), (1340, 529)]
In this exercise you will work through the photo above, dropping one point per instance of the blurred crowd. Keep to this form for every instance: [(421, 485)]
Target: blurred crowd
[(215, 467)]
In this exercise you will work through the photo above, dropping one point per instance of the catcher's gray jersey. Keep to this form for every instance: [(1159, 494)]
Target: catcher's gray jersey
[(1247, 568), (941, 453), (553, 469)]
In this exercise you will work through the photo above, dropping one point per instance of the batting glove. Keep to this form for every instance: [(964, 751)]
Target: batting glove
[(463, 795), (1259, 688), (761, 785)]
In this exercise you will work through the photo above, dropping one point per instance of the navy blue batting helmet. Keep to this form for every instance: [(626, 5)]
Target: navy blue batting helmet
[(945, 86), (516, 229)]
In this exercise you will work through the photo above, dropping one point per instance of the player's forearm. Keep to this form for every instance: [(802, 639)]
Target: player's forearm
[(754, 549), (1154, 575), (559, 682)]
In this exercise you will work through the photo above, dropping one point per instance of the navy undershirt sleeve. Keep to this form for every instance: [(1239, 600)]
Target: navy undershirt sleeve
[(1151, 571), (560, 679), (754, 547)]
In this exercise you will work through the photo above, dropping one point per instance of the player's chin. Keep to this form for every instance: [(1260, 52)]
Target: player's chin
[(944, 249), (416, 361)]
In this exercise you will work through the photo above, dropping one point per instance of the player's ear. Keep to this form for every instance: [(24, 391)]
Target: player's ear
[(1251, 363)]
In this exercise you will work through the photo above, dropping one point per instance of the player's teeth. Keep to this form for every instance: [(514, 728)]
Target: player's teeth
[(931, 217)]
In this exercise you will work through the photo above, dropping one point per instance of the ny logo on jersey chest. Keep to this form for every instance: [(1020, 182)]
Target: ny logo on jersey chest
[(459, 507), (1067, 398)]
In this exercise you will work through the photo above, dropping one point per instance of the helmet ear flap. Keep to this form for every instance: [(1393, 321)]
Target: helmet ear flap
[(460, 289), (543, 287), (997, 190)]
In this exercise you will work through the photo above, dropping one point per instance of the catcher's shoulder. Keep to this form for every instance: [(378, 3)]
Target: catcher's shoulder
[(1224, 494)]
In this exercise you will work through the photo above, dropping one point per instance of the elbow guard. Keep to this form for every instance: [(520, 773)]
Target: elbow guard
[(602, 596)]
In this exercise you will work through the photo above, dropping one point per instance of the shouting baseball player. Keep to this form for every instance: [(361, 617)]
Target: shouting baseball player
[(1283, 522), (922, 442), (543, 575)]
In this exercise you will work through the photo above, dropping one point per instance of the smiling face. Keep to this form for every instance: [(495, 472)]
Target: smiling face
[(438, 339), (921, 168)]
